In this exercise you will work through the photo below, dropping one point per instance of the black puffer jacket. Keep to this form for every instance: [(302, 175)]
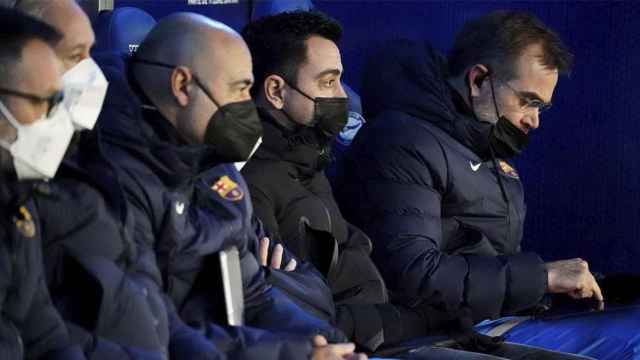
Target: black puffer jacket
[(418, 179), (293, 197)]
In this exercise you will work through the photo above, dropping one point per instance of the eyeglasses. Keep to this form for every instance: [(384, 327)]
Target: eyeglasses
[(196, 79), (528, 103), (53, 101)]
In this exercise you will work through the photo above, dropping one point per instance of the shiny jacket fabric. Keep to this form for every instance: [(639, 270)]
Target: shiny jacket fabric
[(30, 325), (293, 197), (419, 181), (170, 186), (104, 285)]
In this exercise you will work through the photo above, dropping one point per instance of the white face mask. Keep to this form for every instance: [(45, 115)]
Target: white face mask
[(40, 146), (241, 164), (85, 88)]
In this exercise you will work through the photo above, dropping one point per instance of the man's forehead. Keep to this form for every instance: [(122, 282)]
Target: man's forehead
[(231, 61), (72, 22), (533, 76), (322, 55), (39, 70)]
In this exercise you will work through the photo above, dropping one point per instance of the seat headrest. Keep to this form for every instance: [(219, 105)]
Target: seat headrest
[(122, 30), (354, 99), (272, 7)]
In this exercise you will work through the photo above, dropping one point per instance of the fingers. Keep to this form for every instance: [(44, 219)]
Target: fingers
[(263, 251), (319, 340), (597, 292), (291, 265), (276, 257), (342, 350), (357, 357), (588, 287)]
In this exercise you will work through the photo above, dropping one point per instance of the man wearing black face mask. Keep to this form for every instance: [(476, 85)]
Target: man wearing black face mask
[(173, 151), (302, 104), (429, 179), (303, 107)]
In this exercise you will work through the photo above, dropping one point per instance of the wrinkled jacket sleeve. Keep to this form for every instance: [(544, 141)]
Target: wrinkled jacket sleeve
[(99, 348), (246, 343), (305, 285), (269, 308), (44, 328), (400, 181)]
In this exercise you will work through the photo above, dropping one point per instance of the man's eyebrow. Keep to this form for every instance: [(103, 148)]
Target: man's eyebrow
[(78, 48), (533, 96), (244, 82), (51, 91), (328, 72)]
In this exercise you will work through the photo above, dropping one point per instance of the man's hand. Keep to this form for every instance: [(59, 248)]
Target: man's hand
[(572, 277), (276, 256), (323, 351)]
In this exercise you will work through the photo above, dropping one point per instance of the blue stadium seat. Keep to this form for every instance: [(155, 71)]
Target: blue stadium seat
[(270, 7), (234, 13), (122, 30)]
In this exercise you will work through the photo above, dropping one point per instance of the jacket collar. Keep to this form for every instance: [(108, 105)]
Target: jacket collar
[(300, 148), (415, 75)]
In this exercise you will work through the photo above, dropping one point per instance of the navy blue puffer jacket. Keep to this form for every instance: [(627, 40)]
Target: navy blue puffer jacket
[(180, 213), (30, 326), (418, 180)]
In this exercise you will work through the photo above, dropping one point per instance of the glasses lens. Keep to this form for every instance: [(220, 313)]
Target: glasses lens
[(54, 102)]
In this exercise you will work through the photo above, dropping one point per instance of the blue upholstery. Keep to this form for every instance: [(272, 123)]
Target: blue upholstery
[(234, 13), (122, 29)]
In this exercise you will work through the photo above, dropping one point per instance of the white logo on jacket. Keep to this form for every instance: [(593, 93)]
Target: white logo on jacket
[(179, 207)]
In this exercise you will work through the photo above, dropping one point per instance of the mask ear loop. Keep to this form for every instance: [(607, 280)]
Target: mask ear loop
[(315, 104), (12, 120), (495, 163)]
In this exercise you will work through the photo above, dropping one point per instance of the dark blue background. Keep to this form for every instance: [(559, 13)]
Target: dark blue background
[(581, 172)]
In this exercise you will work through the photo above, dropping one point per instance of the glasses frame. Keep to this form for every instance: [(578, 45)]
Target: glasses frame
[(53, 101), (526, 103)]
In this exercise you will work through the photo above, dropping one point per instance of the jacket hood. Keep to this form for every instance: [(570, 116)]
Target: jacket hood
[(411, 77)]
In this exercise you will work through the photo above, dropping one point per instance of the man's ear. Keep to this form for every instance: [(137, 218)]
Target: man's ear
[(181, 85), (476, 76), (274, 91)]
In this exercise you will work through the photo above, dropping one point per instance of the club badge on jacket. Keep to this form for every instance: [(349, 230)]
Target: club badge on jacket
[(228, 189)]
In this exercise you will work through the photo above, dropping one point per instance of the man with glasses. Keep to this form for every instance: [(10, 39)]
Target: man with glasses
[(34, 134), (429, 178)]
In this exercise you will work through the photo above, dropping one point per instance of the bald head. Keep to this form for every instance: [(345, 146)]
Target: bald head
[(68, 18), (188, 39), (209, 66)]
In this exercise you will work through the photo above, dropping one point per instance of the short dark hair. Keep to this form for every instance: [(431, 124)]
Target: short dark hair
[(497, 40), (277, 42), (16, 30)]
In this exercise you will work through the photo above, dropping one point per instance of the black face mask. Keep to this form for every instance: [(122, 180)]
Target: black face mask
[(330, 114), (505, 139), (234, 130)]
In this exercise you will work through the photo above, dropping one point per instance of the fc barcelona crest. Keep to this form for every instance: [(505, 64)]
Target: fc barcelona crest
[(24, 223), (228, 189), (508, 170)]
